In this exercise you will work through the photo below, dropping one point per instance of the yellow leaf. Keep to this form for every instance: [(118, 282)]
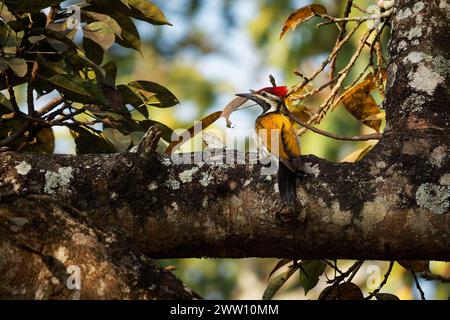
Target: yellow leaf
[(192, 131), (357, 155), (302, 15)]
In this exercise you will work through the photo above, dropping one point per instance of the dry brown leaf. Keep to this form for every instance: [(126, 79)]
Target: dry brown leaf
[(191, 132), (231, 107), (360, 103), (302, 15)]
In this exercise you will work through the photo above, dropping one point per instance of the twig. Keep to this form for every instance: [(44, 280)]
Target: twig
[(324, 63), (385, 279), (272, 81), (331, 19), (373, 136), (50, 105), (12, 95), (30, 98), (345, 274), (342, 75), (419, 288), (431, 276), (333, 266), (341, 35), (355, 271)]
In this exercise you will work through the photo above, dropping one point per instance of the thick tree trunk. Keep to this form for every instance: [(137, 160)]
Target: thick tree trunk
[(107, 213)]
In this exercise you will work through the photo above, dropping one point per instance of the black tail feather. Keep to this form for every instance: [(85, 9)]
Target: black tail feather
[(287, 184)]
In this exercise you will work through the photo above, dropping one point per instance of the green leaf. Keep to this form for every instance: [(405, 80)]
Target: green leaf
[(57, 67), (136, 137), (18, 66), (130, 35), (103, 30), (110, 73), (93, 50), (61, 36), (310, 271), (146, 11), (5, 14), (279, 265), (100, 33), (131, 96), (87, 141), (30, 6), (78, 90), (276, 283), (119, 140), (3, 64), (81, 62), (344, 291), (5, 102), (114, 98), (36, 39), (155, 94), (386, 296)]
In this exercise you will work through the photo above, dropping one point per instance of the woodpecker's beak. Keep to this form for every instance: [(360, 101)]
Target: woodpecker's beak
[(256, 98)]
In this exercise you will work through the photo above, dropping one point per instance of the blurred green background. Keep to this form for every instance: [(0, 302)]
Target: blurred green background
[(215, 49)]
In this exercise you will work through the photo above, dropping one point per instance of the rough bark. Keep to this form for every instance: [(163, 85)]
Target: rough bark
[(110, 212)]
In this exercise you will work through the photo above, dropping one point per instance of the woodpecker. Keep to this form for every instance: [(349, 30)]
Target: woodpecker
[(287, 148)]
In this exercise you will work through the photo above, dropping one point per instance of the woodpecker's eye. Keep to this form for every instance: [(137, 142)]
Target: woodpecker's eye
[(270, 96)]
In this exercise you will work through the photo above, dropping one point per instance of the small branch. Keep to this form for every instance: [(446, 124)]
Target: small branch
[(50, 105), (431, 276), (331, 19), (272, 81), (335, 51), (374, 136), (342, 76), (345, 274), (419, 288), (385, 279), (149, 142), (333, 266), (355, 271), (30, 97), (341, 35), (12, 95)]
